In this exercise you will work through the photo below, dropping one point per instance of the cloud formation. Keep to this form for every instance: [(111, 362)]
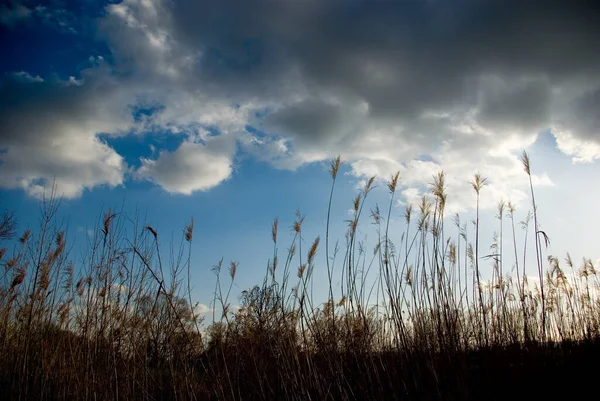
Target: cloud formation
[(49, 134), (412, 86), (11, 15), (192, 167)]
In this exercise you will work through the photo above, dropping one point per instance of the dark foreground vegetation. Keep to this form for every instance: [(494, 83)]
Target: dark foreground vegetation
[(410, 320)]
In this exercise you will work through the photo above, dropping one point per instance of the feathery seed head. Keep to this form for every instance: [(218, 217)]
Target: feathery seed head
[(511, 209), (274, 228), (152, 230), (25, 236), (334, 167), (357, 203), (18, 279), (393, 182), (189, 231), (352, 224), (233, 269), (501, 206), (369, 185), (525, 162), (439, 186), (408, 212), (301, 270), (376, 215), (79, 287), (298, 225), (313, 250), (11, 263), (108, 216), (478, 182)]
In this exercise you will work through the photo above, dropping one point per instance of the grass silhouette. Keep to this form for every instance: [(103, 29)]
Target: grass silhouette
[(122, 325)]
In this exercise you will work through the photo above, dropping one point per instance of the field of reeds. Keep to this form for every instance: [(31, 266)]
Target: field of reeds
[(411, 320)]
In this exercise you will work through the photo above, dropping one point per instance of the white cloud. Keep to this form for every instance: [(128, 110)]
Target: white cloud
[(582, 151), (202, 309), (192, 167), (411, 196)]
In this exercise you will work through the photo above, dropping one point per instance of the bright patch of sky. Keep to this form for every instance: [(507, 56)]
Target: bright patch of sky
[(230, 112)]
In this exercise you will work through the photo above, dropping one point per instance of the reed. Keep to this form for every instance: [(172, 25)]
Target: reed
[(411, 319)]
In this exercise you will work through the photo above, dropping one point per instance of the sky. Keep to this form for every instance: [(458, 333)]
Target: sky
[(229, 112)]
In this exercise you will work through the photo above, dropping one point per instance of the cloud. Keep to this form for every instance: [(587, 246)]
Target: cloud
[(410, 86), (306, 121), (14, 13), (57, 18), (202, 309), (472, 77), (583, 151), (49, 133), (26, 77), (520, 105), (192, 167)]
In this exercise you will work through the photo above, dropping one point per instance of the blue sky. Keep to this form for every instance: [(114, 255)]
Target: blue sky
[(230, 112)]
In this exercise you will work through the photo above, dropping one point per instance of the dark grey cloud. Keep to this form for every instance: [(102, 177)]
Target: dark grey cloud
[(583, 117), (310, 122), (509, 105), (428, 48)]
